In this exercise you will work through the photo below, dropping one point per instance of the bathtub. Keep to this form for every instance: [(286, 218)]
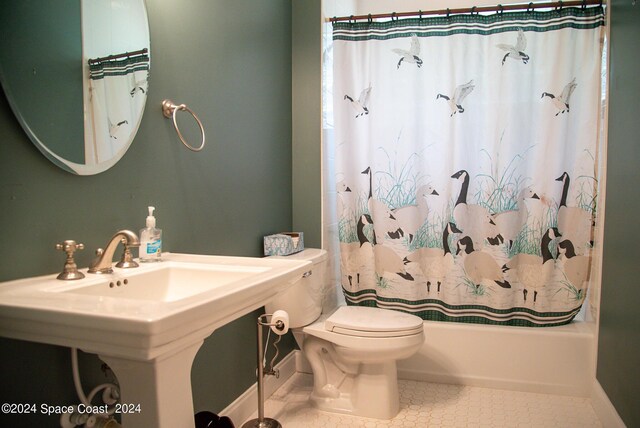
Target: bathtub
[(552, 360)]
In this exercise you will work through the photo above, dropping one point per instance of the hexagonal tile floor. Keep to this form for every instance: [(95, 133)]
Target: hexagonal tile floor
[(438, 405)]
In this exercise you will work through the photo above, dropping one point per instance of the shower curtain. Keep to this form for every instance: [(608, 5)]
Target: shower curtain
[(466, 161), (117, 97)]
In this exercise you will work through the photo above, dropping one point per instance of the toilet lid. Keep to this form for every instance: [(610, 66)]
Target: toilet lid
[(372, 322)]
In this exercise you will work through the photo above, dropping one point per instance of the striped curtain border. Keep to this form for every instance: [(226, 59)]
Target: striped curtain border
[(578, 18), (437, 310), (120, 67)]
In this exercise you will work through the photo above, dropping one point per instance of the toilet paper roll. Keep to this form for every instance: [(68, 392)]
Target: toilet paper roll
[(280, 315)]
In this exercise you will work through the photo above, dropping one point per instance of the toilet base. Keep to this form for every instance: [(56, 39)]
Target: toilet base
[(372, 393)]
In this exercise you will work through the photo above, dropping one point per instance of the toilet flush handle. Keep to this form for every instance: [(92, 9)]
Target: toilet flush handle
[(307, 274)]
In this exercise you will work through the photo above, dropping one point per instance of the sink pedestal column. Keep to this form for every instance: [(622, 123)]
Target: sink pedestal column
[(161, 387)]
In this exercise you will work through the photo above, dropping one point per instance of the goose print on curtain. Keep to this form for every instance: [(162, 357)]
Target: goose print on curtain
[(468, 145)]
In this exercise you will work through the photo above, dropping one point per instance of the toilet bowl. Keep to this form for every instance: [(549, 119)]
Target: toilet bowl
[(352, 350)]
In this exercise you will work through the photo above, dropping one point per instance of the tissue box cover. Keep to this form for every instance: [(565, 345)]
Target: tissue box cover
[(283, 244)]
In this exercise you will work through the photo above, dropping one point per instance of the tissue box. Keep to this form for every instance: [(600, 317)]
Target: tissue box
[(283, 244)]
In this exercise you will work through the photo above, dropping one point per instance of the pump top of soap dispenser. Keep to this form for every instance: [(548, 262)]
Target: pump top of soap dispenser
[(151, 220)]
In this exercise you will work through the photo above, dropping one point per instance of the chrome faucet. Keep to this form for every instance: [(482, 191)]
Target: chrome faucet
[(104, 258)]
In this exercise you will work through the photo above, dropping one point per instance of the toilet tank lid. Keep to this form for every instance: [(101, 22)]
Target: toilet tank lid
[(314, 255), (365, 319)]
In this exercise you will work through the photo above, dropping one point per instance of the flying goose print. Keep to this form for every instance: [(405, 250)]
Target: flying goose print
[(410, 56), (138, 86), (562, 102), (135, 90), (455, 102), (115, 127), (361, 104), (516, 52)]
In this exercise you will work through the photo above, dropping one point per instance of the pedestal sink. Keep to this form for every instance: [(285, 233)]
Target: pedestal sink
[(147, 323)]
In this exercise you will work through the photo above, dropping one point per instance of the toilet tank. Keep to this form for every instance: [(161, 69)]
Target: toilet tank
[(303, 300)]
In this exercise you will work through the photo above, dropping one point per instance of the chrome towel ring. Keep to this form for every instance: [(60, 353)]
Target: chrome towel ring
[(169, 110)]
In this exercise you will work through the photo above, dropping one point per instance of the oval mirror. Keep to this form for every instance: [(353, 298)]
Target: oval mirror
[(75, 74)]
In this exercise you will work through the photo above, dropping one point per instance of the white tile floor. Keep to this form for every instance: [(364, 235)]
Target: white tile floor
[(438, 405)]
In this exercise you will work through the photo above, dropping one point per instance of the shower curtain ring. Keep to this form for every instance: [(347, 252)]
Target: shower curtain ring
[(351, 20), (559, 8), (473, 10), (448, 13), (420, 14), (394, 16), (169, 110), (369, 19), (584, 4), (530, 8), (500, 9)]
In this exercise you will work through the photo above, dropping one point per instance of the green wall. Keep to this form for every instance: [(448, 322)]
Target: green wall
[(619, 337), (307, 120), (228, 60)]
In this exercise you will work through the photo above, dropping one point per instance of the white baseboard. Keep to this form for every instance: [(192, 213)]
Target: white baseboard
[(247, 404), (604, 409)]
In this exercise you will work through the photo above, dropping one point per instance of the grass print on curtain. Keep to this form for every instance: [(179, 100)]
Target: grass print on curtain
[(465, 160)]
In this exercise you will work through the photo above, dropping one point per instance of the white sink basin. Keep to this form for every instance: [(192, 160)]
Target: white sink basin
[(140, 311), (167, 283), (148, 322)]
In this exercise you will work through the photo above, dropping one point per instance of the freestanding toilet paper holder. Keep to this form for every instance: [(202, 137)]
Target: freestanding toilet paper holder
[(278, 322)]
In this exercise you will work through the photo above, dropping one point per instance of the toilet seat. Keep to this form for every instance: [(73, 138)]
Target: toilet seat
[(372, 322)]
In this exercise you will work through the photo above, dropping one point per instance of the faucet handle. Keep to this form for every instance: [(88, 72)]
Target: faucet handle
[(126, 261), (70, 270), (69, 246)]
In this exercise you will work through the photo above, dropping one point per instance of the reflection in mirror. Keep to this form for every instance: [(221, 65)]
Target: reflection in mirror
[(83, 118)]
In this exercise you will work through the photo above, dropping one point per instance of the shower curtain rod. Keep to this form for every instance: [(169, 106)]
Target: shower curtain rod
[(475, 9), (116, 56)]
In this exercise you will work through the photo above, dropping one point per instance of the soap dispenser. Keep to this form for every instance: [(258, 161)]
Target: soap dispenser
[(150, 240)]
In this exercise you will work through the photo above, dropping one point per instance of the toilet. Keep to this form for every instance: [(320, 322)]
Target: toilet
[(352, 350)]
